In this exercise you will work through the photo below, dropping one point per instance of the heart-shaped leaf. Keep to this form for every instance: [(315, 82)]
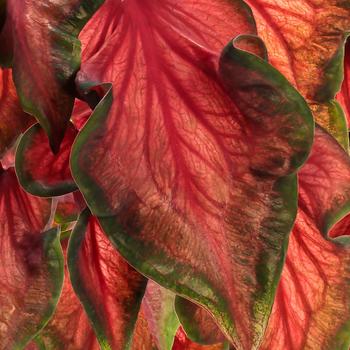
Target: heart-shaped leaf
[(31, 264), (40, 38), (193, 190), (109, 289)]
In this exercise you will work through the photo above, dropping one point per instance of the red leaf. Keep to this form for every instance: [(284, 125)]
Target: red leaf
[(109, 289), (312, 306), (42, 37), (69, 328), (194, 170), (157, 322), (41, 172), (13, 120), (304, 40), (197, 323), (183, 343), (344, 94), (69, 207), (31, 264)]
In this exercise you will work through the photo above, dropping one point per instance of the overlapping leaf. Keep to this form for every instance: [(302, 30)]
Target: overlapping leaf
[(109, 289), (197, 154), (182, 342), (69, 328), (198, 323), (39, 39), (13, 120), (344, 94), (39, 170), (305, 41), (312, 306), (31, 264), (69, 207), (157, 323)]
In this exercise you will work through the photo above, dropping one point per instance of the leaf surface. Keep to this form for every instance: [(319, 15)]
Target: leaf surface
[(69, 328), (108, 287), (344, 94), (69, 207), (13, 120), (312, 305), (182, 342), (42, 46), (157, 322), (305, 40), (40, 171), (31, 264), (197, 323), (185, 146)]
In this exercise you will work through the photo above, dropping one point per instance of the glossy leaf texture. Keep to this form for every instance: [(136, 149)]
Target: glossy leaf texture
[(197, 323), (157, 321), (182, 342), (40, 171), (312, 305), (69, 328), (40, 40), (344, 94), (13, 120), (185, 146), (31, 264), (108, 287), (305, 40)]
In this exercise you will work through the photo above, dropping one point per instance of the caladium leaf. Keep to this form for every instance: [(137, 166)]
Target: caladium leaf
[(81, 113), (197, 323), (46, 33), (69, 328), (108, 287), (192, 162), (182, 342), (305, 40), (158, 311), (39, 170), (31, 264), (69, 207), (341, 228), (344, 94), (13, 120), (312, 306)]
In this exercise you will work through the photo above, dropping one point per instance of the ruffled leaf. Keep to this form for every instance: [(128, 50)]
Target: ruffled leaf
[(197, 323), (195, 172), (41, 41), (109, 289), (312, 306), (41, 172), (305, 40), (13, 120), (31, 264), (69, 328), (157, 323)]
